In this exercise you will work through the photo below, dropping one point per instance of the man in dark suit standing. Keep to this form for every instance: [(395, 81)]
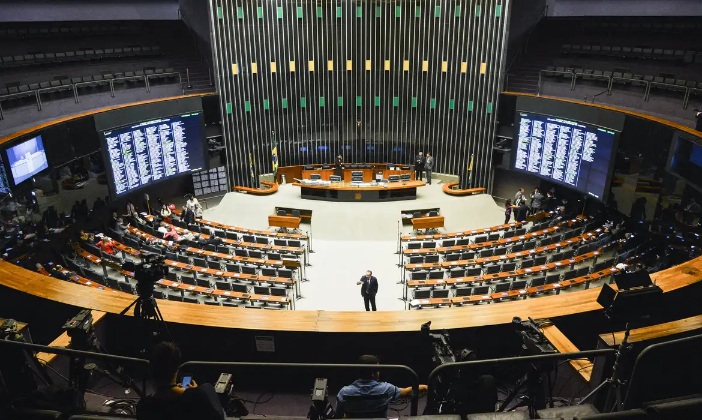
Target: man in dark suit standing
[(368, 289), (339, 167), (419, 163)]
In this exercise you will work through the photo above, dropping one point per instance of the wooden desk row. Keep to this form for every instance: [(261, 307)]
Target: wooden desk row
[(504, 274), (284, 281), (454, 235), (226, 294), (481, 245), (237, 229), (447, 265), (512, 294), (200, 251), (199, 289), (241, 244), (368, 174)]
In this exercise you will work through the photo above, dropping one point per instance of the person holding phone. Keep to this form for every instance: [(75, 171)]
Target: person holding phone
[(369, 289), (177, 399)]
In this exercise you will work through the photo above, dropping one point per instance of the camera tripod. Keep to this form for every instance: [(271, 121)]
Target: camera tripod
[(535, 396), (146, 308), (615, 382)]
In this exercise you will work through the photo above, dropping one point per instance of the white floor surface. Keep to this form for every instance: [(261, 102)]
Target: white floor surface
[(350, 238)]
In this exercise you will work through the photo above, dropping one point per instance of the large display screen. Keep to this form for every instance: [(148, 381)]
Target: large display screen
[(685, 160), (570, 153), (152, 151), (27, 159)]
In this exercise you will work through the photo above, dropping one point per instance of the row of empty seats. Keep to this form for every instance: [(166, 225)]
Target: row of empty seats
[(65, 30), (642, 53), (44, 58)]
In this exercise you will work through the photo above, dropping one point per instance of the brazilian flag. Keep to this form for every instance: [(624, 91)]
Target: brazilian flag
[(274, 158)]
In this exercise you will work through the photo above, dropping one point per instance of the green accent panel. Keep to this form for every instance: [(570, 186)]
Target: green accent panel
[(266, 104), (299, 12), (247, 106), (437, 11), (219, 13), (432, 103), (395, 101), (322, 102), (378, 11), (259, 12), (398, 11), (284, 103), (470, 106), (498, 10), (414, 102), (340, 101), (376, 101), (303, 102), (417, 11), (359, 101), (279, 12), (489, 108), (478, 10), (229, 107), (359, 11), (239, 12), (458, 11), (452, 104), (319, 12), (338, 11)]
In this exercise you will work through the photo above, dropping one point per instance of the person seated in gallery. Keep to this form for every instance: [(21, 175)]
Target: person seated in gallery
[(170, 399), (367, 397)]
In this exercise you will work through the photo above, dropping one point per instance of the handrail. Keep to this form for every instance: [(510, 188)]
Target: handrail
[(343, 366), (572, 78), (162, 75), (80, 353), (519, 359)]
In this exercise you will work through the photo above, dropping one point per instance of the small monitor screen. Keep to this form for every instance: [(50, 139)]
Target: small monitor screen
[(685, 160), (27, 159), (153, 151), (571, 153)]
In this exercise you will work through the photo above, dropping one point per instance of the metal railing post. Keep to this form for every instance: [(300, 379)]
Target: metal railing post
[(187, 75), (75, 94), (520, 359), (36, 96), (2, 116)]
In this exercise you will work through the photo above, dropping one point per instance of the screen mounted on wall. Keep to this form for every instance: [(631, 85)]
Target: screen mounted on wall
[(568, 152), (685, 159), (151, 151), (27, 159)]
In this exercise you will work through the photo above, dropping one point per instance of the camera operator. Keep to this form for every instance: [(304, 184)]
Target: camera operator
[(170, 399)]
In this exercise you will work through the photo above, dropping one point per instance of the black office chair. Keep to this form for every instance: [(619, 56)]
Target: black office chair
[(280, 212)]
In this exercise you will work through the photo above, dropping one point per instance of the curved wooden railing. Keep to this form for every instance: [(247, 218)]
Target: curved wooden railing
[(449, 188), (270, 188), (330, 321)]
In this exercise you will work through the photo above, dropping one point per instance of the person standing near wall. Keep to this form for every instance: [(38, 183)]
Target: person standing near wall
[(429, 166)]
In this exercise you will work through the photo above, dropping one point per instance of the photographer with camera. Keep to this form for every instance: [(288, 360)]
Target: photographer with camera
[(172, 400)]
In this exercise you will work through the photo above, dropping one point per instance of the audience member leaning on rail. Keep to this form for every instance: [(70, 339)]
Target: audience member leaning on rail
[(170, 400)]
